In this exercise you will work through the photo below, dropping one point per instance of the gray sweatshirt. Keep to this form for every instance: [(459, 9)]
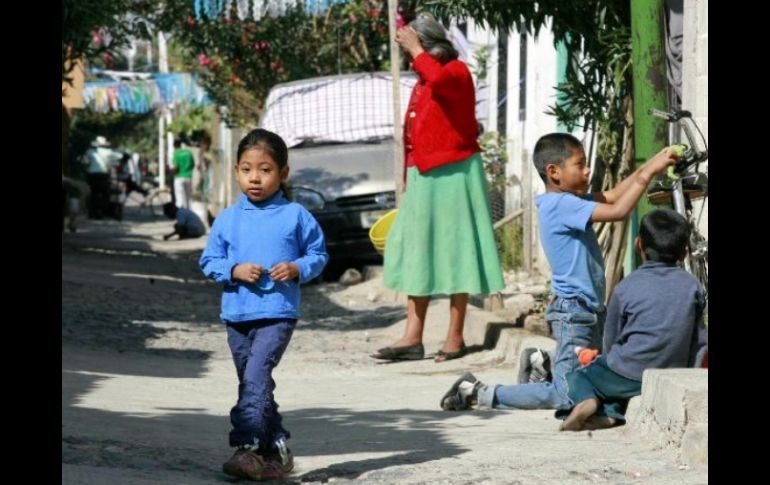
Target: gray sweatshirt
[(654, 321)]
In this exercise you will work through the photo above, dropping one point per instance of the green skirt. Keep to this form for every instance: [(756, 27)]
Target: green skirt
[(442, 241)]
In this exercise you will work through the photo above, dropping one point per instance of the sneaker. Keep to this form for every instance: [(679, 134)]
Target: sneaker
[(540, 361), (534, 366), (462, 394), (245, 463)]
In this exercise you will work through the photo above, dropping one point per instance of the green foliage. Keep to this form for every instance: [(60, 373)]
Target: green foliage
[(92, 29), (191, 119), (238, 61), (482, 63), (136, 133), (495, 159), (510, 245)]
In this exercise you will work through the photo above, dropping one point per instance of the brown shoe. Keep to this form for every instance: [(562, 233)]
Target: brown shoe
[(248, 464), (284, 463)]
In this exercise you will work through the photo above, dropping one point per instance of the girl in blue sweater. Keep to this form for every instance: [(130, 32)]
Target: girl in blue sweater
[(261, 249)]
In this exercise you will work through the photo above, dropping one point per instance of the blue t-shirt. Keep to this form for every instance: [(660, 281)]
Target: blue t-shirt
[(571, 247)]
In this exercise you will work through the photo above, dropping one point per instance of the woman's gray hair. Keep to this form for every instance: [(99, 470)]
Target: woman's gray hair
[(433, 38)]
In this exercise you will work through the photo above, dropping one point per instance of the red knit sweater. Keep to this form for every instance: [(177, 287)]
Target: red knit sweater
[(445, 128)]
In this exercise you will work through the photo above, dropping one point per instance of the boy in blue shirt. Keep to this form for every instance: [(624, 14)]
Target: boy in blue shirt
[(575, 311), (188, 224)]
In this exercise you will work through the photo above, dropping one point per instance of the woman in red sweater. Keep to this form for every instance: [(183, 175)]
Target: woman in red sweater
[(442, 241)]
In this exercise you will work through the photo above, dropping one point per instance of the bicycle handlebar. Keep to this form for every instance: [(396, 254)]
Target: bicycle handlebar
[(692, 156), (671, 117)]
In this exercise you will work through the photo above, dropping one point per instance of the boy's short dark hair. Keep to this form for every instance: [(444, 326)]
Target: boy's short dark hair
[(664, 234), (553, 149)]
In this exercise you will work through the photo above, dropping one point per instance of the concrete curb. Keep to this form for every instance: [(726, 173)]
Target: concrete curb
[(673, 412)]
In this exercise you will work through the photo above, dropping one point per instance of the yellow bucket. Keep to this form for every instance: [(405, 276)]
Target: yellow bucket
[(379, 231)]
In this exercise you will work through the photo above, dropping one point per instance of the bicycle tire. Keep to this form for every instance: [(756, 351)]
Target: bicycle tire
[(700, 262), (698, 256), (700, 271)]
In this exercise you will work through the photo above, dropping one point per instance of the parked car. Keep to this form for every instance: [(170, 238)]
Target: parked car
[(347, 187), (339, 130)]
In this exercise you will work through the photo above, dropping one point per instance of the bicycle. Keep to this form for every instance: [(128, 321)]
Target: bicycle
[(155, 199), (685, 184)]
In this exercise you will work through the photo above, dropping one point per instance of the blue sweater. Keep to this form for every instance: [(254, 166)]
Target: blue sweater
[(654, 321), (264, 233)]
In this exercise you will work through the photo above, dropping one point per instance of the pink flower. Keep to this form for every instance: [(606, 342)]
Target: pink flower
[(400, 22), (190, 21), (278, 66), (353, 18), (204, 60)]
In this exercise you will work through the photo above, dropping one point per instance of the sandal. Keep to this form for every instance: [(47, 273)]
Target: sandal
[(442, 356), (407, 352)]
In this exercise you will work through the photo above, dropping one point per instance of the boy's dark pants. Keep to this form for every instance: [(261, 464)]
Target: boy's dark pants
[(257, 347), (597, 380)]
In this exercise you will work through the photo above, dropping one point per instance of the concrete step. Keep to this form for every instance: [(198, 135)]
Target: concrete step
[(673, 412)]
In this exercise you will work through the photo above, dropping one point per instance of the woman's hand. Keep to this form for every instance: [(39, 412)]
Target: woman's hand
[(407, 38)]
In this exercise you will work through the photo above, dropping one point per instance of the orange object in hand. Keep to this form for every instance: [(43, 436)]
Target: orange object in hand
[(586, 355)]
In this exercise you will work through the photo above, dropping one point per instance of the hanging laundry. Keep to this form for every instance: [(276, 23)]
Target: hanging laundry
[(243, 9), (142, 96)]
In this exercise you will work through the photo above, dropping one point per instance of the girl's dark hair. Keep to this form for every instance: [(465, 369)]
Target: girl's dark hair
[(270, 143)]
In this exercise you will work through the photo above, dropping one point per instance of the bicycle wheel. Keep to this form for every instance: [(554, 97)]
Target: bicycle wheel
[(157, 200), (700, 270), (699, 262), (699, 258)]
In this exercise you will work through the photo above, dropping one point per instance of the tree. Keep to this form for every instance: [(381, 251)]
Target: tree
[(91, 29), (94, 28), (239, 60)]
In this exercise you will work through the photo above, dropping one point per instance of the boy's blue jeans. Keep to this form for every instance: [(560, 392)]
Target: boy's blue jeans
[(257, 347), (573, 324)]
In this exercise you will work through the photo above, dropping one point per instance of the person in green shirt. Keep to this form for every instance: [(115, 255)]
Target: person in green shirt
[(184, 162)]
